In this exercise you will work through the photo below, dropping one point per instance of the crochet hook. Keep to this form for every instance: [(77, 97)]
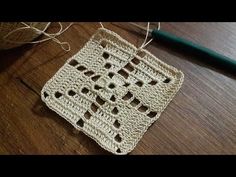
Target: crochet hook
[(188, 46)]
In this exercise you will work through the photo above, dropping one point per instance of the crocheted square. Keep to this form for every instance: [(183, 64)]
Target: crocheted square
[(111, 92)]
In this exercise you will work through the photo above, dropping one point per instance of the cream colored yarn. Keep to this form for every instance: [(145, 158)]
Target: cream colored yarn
[(112, 92), (25, 35)]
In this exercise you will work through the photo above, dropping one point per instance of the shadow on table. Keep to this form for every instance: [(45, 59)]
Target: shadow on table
[(16, 56), (197, 59), (8, 57), (43, 111), (183, 54)]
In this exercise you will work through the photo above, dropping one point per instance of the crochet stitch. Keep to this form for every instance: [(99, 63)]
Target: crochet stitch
[(111, 91)]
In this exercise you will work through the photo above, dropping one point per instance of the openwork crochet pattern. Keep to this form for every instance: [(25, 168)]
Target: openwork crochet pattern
[(112, 91)]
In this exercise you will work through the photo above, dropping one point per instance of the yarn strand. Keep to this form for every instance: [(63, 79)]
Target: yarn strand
[(50, 36), (64, 45), (145, 43), (101, 24)]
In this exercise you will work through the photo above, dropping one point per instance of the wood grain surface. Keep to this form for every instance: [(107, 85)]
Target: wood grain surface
[(201, 119)]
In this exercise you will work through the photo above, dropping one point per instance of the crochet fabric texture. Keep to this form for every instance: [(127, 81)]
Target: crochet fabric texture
[(111, 91)]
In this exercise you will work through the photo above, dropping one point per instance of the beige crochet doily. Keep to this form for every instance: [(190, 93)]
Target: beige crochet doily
[(111, 92)]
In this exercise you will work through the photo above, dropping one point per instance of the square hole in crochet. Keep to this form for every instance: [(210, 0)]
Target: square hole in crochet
[(95, 78), (97, 87), (107, 66), (135, 102), (123, 73), (141, 54), (135, 61), (143, 108), (94, 107), (116, 124), (58, 94), (105, 55), (153, 82), (88, 73), (139, 83), (118, 138), (127, 96), (80, 123), (111, 85), (113, 98), (73, 62), (85, 90), (45, 94), (71, 93), (110, 74), (167, 80), (152, 114), (100, 100), (126, 84), (115, 110), (81, 68), (87, 115), (103, 44), (129, 67)]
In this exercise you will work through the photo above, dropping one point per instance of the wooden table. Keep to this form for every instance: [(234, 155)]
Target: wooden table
[(201, 119)]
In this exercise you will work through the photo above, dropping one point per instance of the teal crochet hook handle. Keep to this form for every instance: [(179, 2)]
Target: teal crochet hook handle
[(213, 57)]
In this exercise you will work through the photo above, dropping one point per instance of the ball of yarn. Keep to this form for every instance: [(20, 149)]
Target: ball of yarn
[(19, 37)]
